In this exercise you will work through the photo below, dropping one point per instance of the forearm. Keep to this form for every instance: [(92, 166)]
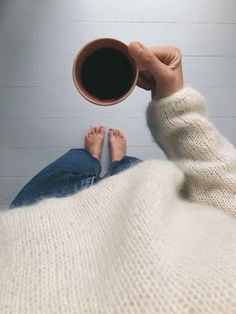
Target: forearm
[(179, 125)]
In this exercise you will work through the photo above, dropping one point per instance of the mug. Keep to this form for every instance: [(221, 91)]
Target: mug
[(104, 72)]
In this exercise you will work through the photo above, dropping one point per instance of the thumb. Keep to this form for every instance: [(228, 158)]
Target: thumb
[(146, 58)]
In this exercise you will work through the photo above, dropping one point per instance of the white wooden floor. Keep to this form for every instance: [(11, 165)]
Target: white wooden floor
[(41, 113)]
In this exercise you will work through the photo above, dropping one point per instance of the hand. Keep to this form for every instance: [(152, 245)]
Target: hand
[(160, 69)]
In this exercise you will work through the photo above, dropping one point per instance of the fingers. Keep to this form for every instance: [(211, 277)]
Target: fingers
[(146, 75), (145, 79), (143, 83), (168, 55), (146, 58)]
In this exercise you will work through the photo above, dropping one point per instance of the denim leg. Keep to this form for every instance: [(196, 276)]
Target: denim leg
[(70, 173), (121, 165)]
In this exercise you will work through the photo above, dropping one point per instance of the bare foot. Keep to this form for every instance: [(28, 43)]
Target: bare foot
[(94, 139), (117, 143)]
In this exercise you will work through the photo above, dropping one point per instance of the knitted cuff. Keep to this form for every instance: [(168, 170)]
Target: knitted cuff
[(185, 100)]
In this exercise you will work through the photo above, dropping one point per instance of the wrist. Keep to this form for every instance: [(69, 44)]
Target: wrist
[(166, 90)]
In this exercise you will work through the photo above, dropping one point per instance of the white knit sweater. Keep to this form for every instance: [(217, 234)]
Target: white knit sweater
[(157, 238)]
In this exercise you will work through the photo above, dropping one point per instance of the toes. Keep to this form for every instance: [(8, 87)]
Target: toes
[(96, 129), (119, 133), (101, 129), (111, 131), (116, 132), (93, 130), (122, 134), (89, 132)]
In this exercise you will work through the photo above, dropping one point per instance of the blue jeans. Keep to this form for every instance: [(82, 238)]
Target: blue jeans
[(72, 172)]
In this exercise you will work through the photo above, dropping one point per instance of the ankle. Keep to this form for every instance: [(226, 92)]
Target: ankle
[(117, 157)]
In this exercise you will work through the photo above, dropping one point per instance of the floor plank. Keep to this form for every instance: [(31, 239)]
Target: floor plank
[(213, 11), (52, 37), (64, 102)]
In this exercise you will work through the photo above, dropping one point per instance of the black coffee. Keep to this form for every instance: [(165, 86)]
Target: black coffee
[(107, 74)]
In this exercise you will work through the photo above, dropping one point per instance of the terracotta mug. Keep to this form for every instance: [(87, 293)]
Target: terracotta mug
[(91, 48)]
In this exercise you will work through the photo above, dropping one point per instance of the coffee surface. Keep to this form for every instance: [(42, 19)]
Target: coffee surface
[(107, 74)]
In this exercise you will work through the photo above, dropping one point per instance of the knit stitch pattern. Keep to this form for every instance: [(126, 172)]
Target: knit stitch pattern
[(159, 237)]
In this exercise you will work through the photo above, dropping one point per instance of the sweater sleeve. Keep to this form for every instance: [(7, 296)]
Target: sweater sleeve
[(179, 125)]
